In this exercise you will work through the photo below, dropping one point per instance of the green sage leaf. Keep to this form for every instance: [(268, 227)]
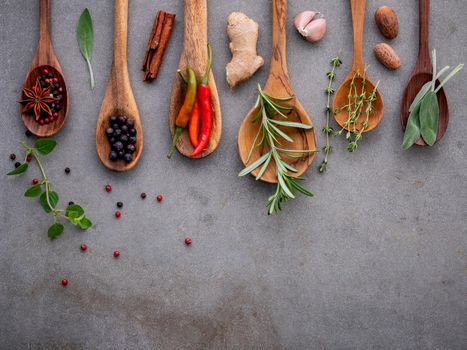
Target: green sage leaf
[(421, 94), (19, 170), (33, 191), (53, 198), (429, 117), (55, 230), (45, 146), (412, 129), (86, 40)]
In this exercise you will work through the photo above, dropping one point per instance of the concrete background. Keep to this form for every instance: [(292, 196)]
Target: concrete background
[(377, 260)]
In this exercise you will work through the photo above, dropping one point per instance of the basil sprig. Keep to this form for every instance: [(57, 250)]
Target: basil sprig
[(86, 39)]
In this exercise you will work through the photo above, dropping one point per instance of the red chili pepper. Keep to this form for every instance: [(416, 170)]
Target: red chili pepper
[(194, 125), (204, 104)]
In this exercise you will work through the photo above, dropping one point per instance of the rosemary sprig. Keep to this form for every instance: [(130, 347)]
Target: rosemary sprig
[(271, 137), (43, 189), (328, 130)]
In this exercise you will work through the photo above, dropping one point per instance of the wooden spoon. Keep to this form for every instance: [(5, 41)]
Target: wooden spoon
[(45, 58), (195, 55), (341, 98), (423, 73), (118, 99), (278, 85)]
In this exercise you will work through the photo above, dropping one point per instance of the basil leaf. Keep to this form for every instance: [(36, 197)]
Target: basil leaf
[(19, 170), (55, 230), (86, 40), (74, 211), (33, 191), (45, 146), (412, 129), (85, 223), (53, 198), (421, 94), (429, 117)]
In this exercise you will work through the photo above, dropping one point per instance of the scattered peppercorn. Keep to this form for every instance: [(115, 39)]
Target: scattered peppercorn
[(17, 164), (119, 204), (35, 181), (118, 214), (84, 247), (67, 170), (143, 195), (116, 253), (64, 282), (12, 156), (108, 188), (71, 203), (28, 158), (188, 241), (159, 198), (28, 133)]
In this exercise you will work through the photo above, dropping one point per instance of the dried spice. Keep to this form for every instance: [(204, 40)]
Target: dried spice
[(39, 100)]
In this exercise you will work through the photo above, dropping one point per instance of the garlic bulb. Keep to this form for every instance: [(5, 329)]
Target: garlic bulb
[(311, 25)]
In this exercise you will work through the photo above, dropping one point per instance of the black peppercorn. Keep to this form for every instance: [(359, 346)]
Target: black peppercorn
[(17, 164), (67, 170), (12, 156), (143, 195), (28, 133), (71, 203), (119, 204)]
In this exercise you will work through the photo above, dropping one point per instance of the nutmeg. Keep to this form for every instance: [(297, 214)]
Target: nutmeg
[(387, 56), (387, 22)]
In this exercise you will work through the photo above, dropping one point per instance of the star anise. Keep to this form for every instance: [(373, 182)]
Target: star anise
[(38, 99)]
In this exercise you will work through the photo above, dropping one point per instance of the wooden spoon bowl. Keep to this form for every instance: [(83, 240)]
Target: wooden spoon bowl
[(278, 85), (195, 55), (45, 58), (341, 98), (119, 98), (423, 73)]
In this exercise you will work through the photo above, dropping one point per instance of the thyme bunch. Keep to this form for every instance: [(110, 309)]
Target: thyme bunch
[(269, 139), (328, 130), (360, 103)]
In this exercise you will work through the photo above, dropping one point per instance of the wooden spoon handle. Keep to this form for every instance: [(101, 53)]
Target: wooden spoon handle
[(358, 21), (424, 51), (44, 27), (195, 53), (119, 64), (279, 37)]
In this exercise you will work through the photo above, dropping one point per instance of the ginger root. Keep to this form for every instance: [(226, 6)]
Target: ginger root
[(243, 35)]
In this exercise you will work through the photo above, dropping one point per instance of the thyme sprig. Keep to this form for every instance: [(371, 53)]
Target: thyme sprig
[(328, 130), (360, 103), (43, 189), (269, 139)]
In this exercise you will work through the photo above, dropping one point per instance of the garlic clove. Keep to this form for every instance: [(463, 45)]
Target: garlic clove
[(315, 30), (303, 19)]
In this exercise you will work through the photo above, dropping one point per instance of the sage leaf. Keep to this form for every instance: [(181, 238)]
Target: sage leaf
[(412, 129), (86, 40), (53, 198), (19, 170), (55, 230), (45, 146), (429, 117), (421, 94), (33, 191)]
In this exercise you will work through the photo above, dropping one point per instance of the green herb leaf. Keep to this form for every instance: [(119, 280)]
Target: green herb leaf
[(33, 191), (412, 129), (254, 165), (19, 170), (74, 211), (86, 40), (53, 198), (421, 94), (55, 230), (45, 146), (85, 223), (292, 124), (429, 117)]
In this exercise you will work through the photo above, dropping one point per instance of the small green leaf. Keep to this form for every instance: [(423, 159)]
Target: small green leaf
[(85, 223), (254, 165), (412, 129), (74, 211), (421, 94), (33, 191), (55, 230), (292, 124), (53, 198), (19, 170), (86, 40), (429, 117), (45, 146)]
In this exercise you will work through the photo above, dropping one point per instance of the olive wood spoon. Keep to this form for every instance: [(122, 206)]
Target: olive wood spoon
[(45, 58), (118, 99), (423, 73), (341, 98), (195, 55), (278, 85)]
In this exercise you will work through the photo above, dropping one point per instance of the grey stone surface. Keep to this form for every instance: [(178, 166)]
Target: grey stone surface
[(377, 260)]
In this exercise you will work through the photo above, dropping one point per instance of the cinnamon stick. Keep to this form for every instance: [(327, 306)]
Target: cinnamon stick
[(158, 41)]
